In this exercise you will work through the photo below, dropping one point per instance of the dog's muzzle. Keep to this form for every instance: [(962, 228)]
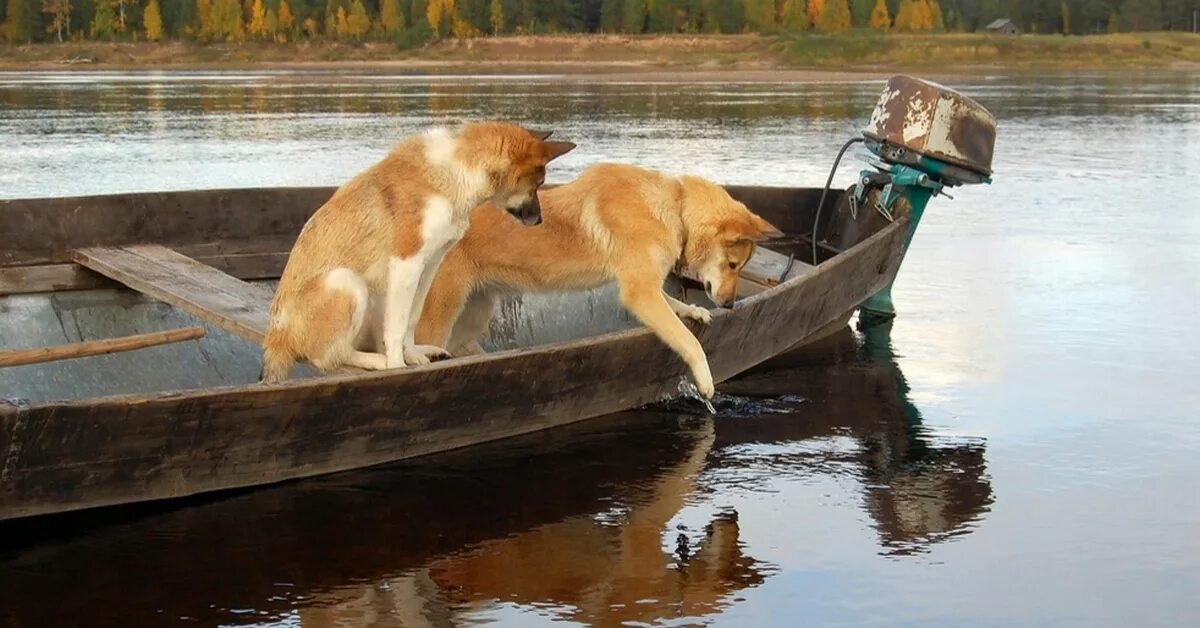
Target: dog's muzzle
[(529, 213), (712, 297)]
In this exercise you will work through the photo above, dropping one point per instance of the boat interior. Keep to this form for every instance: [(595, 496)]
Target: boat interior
[(116, 266)]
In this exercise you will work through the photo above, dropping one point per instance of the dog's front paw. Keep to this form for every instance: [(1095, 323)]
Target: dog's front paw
[(696, 313)]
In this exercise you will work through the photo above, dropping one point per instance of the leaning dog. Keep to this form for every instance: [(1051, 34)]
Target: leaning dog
[(352, 291), (614, 223)]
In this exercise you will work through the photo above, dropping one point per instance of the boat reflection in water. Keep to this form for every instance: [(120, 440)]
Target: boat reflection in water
[(576, 523), (919, 487)]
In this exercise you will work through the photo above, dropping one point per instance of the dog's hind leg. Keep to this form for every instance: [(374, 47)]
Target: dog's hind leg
[(644, 297), (472, 324), (335, 311), (447, 295)]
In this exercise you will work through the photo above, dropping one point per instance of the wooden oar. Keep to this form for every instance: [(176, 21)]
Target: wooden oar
[(18, 357)]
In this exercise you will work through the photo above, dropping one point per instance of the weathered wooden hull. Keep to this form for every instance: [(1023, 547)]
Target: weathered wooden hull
[(59, 456)]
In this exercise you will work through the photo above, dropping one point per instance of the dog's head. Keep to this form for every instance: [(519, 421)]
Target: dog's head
[(518, 168), (722, 234)]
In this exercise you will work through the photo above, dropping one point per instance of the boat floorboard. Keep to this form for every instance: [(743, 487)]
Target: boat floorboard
[(207, 293), (763, 271)]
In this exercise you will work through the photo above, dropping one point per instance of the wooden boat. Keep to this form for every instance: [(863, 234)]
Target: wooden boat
[(181, 419)]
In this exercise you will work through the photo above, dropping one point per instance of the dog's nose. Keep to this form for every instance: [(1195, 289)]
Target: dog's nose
[(532, 221)]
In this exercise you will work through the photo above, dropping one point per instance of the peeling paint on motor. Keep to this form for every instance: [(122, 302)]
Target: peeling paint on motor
[(935, 121)]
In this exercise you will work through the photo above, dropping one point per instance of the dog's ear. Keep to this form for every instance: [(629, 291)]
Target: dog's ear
[(541, 135), (765, 229), (751, 228), (558, 149)]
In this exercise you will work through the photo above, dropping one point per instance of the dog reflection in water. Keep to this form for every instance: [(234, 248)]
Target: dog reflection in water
[(595, 572)]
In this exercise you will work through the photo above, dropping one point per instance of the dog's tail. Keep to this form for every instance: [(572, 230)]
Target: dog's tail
[(277, 359)]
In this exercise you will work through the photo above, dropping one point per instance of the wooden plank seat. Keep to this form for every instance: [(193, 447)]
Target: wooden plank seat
[(203, 291)]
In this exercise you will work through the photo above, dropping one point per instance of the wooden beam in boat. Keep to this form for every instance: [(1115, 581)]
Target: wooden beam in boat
[(181, 281), (765, 269), (21, 357), (70, 276), (46, 230)]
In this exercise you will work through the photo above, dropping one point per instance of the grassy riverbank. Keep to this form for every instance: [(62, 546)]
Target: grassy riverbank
[(855, 52)]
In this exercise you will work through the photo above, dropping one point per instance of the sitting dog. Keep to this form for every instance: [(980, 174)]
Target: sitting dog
[(361, 267), (614, 223)]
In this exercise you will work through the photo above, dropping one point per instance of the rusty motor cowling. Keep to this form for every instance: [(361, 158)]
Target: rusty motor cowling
[(932, 128)]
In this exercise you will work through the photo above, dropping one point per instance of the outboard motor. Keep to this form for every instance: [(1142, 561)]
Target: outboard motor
[(922, 138)]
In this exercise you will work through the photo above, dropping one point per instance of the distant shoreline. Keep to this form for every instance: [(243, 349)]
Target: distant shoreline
[(596, 58)]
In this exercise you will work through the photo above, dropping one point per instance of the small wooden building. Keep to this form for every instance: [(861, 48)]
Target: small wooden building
[(1003, 26)]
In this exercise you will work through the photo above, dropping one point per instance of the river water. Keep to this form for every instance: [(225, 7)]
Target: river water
[(1019, 448)]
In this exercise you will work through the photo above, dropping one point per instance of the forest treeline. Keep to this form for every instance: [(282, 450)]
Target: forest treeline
[(411, 22)]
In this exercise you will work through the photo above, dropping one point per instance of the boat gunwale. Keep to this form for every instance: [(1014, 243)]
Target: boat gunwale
[(127, 399)]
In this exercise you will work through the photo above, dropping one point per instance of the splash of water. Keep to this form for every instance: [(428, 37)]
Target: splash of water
[(687, 387)]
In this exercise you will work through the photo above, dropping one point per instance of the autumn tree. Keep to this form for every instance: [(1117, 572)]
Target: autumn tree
[(1064, 13), (924, 17), (880, 19), (152, 21), (340, 27), (795, 15), (936, 22), (206, 29), (286, 19), (60, 17), (815, 8), (391, 17), (906, 17), (258, 21), (835, 18), (440, 14), (1114, 22), (226, 20), (358, 23)]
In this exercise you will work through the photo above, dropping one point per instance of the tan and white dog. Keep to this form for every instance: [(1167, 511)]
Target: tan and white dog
[(359, 271), (614, 223)]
